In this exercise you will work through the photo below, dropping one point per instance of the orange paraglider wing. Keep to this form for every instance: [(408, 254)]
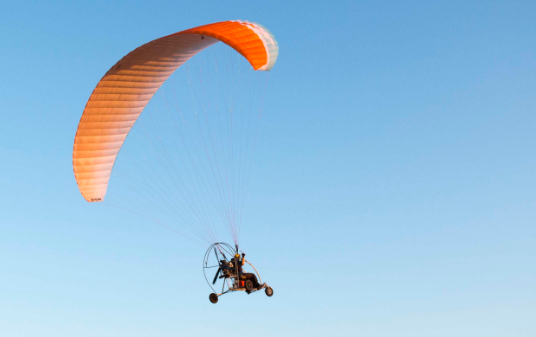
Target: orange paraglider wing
[(125, 90)]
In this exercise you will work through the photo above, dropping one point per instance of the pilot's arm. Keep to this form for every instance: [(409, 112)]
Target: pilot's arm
[(243, 260)]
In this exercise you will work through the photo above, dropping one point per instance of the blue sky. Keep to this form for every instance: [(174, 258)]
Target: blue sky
[(393, 191)]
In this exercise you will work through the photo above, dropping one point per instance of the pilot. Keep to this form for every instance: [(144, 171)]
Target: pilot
[(246, 276)]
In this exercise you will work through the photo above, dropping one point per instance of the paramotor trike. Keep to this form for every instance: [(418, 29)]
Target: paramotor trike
[(221, 255)]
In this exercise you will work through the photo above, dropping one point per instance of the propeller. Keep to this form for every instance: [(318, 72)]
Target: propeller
[(216, 276), (219, 269)]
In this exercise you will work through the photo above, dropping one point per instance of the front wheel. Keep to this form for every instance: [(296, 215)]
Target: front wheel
[(269, 292), (213, 298)]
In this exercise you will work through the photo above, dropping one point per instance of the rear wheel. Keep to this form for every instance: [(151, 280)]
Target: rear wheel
[(249, 285), (213, 298), (269, 292)]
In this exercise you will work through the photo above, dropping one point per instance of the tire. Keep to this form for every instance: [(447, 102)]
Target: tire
[(249, 285), (269, 292), (213, 298)]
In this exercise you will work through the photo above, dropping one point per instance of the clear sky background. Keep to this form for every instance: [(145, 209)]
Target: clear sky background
[(393, 193)]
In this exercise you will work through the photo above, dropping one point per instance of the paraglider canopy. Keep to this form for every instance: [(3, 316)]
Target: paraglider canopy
[(125, 90)]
